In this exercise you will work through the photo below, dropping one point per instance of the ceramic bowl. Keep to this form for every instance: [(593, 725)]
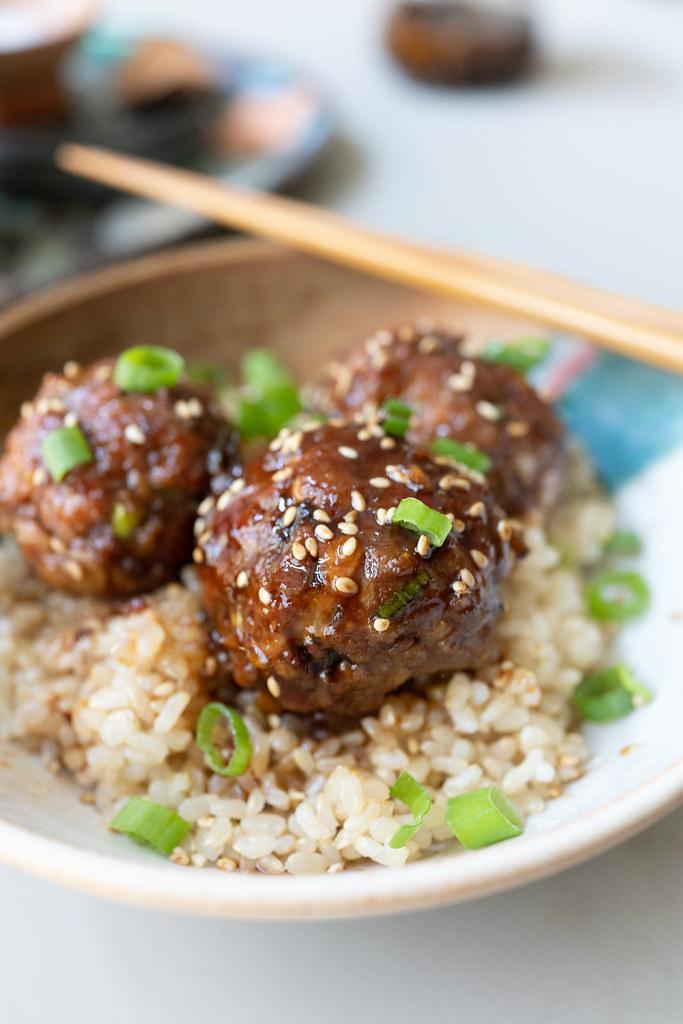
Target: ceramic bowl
[(212, 301)]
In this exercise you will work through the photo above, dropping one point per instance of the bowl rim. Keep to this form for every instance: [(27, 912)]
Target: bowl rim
[(434, 881)]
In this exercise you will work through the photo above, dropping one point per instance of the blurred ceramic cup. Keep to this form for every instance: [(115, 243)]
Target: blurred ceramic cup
[(35, 36)]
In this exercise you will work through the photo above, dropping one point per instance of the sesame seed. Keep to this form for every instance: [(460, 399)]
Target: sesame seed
[(70, 420), (264, 596), (289, 515), (298, 551), (390, 513), (381, 625), (206, 821), (74, 570), (102, 373), (345, 585), (458, 382), (224, 500), (198, 556), (71, 369), (56, 405), (348, 453), (199, 525), (57, 545), (504, 529), (205, 506), (348, 547), (210, 665), (381, 516), (226, 864), (397, 474), (281, 475), (380, 482), (477, 510), (293, 442), (479, 558), (321, 516), (467, 368), (204, 537), (488, 411), (323, 532), (273, 686), (358, 501), (462, 484), (458, 587), (180, 857), (422, 547), (350, 516), (458, 525), (237, 485), (26, 410), (387, 442), (242, 580), (428, 344), (350, 529), (364, 434), (275, 445), (133, 434), (447, 481), (517, 428), (311, 546), (467, 577), (39, 477)]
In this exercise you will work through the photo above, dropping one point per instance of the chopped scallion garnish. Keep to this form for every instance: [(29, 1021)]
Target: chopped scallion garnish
[(465, 454), (403, 596), (124, 520), (146, 368), (151, 824), (520, 354), (482, 817), (610, 693), (64, 449), (416, 798), (262, 370), (413, 514), (212, 374), (623, 542), (616, 595), (207, 723), (270, 398), (395, 407)]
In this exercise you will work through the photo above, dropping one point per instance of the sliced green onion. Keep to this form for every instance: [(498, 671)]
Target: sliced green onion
[(215, 376), (465, 454), (395, 407), (482, 817), (413, 514), (63, 449), (124, 520), (403, 596), (608, 694), (396, 420), (395, 426), (521, 354), (615, 596), (416, 798), (270, 398), (151, 824), (146, 368), (207, 722), (262, 370), (623, 542)]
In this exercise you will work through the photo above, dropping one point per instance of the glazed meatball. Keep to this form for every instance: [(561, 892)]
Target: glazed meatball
[(481, 403), (120, 522), (319, 598)]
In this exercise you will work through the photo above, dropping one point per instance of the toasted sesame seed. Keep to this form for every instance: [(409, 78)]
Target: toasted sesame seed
[(74, 570), (397, 474), (479, 558), (133, 433), (467, 577), (350, 516), (275, 445), (458, 525), (71, 369), (350, 529), (476, 510), (458, 587), (298, 551), (390, 513), (488, 411), (242, 580), (224, 500), (311, 546), (428, 344), (102, 373), (273, 686), (280, 475), (198, 556), (204, 537), (504, 529), (226, 864), (57, 545), (56, 405), (180, 857), (237, 485), (381, 625), (210, 665), (380, 482), (293, 442), (321, 516), (345, 585), (467, 368), (458, 382), (364, 434), (347, 452), (358, 501), (71, 420), (264, 596), (381, 516), (517, 428), (199, 525), (447, 481), (323, 532), (423, 546), (39, 477), (206, 505), (348, 547), (387, 443), (26, 410), (289, 515)]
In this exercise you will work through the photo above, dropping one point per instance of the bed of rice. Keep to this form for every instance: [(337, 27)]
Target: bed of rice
[(113, 698)]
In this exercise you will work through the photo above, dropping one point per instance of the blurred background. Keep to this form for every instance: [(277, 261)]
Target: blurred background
[(544, 131)]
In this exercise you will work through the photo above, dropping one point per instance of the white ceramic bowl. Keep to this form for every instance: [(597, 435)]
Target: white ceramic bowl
[(213, 300)]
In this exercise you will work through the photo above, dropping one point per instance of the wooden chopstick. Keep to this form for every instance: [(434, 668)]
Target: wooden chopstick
[(635, 329)]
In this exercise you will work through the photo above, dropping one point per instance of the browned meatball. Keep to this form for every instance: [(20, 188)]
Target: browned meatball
[(122, 522), (472, 400), (319, 598)]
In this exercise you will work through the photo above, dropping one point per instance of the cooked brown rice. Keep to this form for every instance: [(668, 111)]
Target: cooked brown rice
[(113, 698)]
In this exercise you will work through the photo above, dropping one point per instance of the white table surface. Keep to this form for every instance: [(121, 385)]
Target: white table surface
[(579, 170)]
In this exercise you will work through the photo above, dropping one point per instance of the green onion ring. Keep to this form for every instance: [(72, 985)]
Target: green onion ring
[(623, 542), (151, 824), (64, 449), (147, 368), (466, 454), (609, 694), (124, 520), (208, 719), (416, 798), (632, 598), (482, 817), (413, 514), (521, 354)]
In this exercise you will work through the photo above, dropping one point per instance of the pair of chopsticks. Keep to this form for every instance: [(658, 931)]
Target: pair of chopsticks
[(635, 329)]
